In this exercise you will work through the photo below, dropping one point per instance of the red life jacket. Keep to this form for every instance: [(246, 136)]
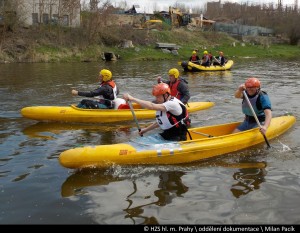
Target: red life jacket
[(174, 91), (194, 58)]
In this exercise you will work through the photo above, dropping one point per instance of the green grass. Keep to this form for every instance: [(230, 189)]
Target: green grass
[(48, 49), (259, 51), (187, 40)]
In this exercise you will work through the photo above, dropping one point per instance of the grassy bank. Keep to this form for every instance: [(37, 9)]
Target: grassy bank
[(48, 51), (239, 51), (210, 41)]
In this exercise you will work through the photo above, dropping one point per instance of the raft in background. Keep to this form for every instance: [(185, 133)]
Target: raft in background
[(80, 115), (207, 142), (192, 67)]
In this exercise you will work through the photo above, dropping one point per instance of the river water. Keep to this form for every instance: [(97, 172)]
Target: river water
[(253, 186)]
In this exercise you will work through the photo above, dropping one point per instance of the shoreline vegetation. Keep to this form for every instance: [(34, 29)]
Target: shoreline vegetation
[(58, 46)]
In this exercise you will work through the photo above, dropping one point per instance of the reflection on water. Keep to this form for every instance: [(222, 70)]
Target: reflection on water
[(75, 184), (137, 212), (163, 192), (170, 186), (221, 191), (247, 181)]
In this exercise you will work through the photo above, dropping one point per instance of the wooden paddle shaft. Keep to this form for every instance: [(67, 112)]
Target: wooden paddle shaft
[(134, 116), (252, 110), (254, 114)]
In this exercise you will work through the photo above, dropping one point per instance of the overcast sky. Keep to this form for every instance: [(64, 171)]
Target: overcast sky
[(149, 5), (159, 5)]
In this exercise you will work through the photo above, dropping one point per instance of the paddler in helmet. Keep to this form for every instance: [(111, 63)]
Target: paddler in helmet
[(195, 58), (260, 102), (170, 113), (106, 93), (178, 86), (205, 59)]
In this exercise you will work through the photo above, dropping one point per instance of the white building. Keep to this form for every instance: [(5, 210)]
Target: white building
[(31, 12)]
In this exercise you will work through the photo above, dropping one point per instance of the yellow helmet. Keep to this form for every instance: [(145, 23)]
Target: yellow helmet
[(205, 52), (174, 72), (194, 52), (106, 75)]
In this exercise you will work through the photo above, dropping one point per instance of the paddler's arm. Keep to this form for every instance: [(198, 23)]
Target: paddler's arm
[(99, 91), (268, 119), (148, 128), (144, 103)]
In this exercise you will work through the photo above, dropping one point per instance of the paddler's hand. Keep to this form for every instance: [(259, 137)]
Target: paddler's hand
[(74, 92), (263, 130), (242, 87), (141, 133), (159, 80), (127, 97)]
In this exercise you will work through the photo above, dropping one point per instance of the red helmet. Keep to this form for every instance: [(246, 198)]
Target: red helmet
[(160, 89), (252, 82)]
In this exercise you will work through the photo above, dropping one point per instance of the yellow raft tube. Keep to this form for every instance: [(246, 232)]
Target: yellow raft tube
[(74, 114), (207, 142), (192, 67)]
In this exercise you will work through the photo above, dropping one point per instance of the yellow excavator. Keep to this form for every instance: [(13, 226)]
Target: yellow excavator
[(178, 18), (152, 23)]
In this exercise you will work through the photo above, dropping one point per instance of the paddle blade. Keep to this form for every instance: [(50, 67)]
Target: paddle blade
[(267, 142), (179, 63)]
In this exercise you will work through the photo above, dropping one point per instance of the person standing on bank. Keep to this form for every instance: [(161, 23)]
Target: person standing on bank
[(170, 113), (107, 93), (260, 102)]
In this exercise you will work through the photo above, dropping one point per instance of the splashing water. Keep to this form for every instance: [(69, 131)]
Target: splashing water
[(284, 147)]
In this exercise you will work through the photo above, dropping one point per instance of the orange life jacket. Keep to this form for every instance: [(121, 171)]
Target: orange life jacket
[(110, 83)]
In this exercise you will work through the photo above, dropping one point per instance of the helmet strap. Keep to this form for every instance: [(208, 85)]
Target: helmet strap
[(175, 80), (165, 99)]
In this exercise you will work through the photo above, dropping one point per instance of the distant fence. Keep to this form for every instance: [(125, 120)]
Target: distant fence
[(243, 30)]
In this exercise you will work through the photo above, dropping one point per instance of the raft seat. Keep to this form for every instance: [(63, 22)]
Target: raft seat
[(124, 106)]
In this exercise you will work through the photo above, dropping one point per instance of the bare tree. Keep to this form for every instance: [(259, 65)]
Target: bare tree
[(289, 24), (94, 5), (71, 8), (94, 22), (282, 19), (11, 13)]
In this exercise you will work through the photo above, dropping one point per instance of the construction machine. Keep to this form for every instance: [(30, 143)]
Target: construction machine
[(179, 18)]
